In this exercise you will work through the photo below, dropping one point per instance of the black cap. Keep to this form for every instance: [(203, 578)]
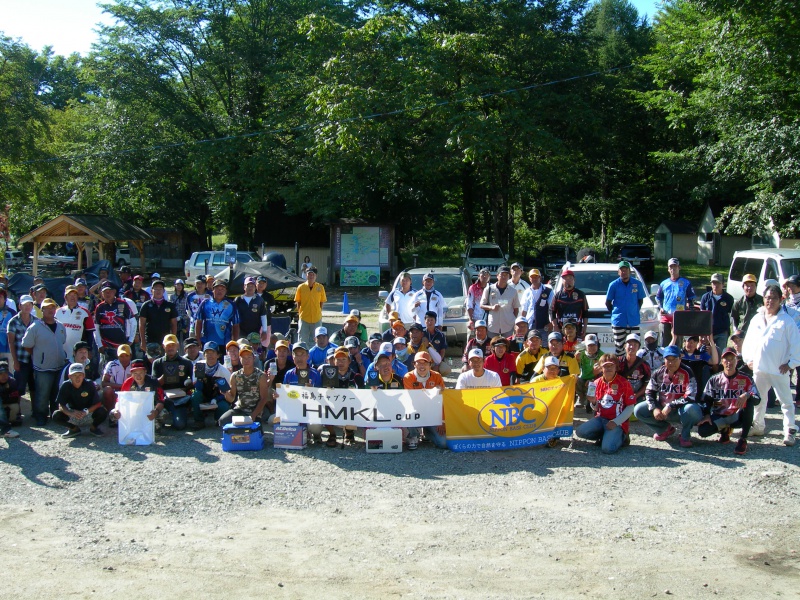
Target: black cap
[(261, 278), (504, 269), (125, 269), (416, 327), (79, 345), (190, 341), (200, 279)]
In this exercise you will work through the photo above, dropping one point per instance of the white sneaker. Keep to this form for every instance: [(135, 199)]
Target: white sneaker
[(10, 434), (788, 439), (756, 431)]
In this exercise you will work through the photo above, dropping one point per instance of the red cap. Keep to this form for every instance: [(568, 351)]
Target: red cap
[(567, 272)]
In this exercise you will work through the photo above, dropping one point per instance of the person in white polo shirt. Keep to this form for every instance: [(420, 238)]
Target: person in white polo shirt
[(429, 299), (477, 376)]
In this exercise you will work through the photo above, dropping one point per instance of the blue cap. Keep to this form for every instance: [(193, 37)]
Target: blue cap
[(211, 346), (671, 351)]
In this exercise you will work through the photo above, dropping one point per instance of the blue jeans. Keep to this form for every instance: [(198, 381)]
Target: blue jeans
[(180, 414), (23, 376), (595, 429), (687, 415), (44, 396), (223, 406), (431, 435)]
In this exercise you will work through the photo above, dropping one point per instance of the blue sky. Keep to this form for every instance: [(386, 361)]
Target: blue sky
[(68, 25)]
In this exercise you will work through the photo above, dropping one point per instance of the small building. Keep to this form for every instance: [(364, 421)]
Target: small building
[(675, 239)]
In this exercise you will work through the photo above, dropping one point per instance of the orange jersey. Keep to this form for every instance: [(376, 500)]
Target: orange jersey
[(410, 381)]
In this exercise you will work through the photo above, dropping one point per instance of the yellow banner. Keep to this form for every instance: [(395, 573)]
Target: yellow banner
[(511, 417)]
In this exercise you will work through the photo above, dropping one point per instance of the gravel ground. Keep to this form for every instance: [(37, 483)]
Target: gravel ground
[(87, 517)]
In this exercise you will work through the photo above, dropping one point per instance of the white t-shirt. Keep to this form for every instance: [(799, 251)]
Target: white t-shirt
[(74, 320), (468, 380)]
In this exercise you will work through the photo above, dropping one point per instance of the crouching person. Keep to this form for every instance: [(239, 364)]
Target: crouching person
[(140, 381), (422, 377), (730, 398), (249, 394), (79, 404), (671, 398), (174, 373), (211, 380), (613, 407)]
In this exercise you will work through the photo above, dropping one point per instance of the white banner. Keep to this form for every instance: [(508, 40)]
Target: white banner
[(362, 408)]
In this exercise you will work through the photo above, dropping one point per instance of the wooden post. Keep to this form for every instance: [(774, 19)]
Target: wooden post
[(35, 258)]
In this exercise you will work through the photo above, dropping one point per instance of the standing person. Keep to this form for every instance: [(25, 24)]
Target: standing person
[(569, 304), (253, 313), (474, 295), (730, 398), (77, 400), (438, 342), (20, 357), (44, 340), (269, 300), (401, 301), (180, 299), (671, 397), (193, 301), (76, 319), (771, 348), (792, 287), (745, 308), (429, 299), (624, 299), (720, 303), (126, 279), (477, 376), (517, 282), (217, 318), (613, 408), (157, 318), (6, 314), (675, 293), (536, 301), (115, 322), (305, 267), (308, 300), (422, 378), (501, 303)]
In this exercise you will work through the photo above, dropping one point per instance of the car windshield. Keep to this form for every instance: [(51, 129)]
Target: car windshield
[(493, 253), (448, 284), (594, 282), (636, 252), (555, 254), (790, 266)]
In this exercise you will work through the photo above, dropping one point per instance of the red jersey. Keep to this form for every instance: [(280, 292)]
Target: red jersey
[(503, 367), (613, 397)]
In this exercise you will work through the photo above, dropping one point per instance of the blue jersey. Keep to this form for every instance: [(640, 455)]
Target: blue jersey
[(5, 316), (193, 302), (675, 295), (624, 298), (307, 376), (218, 320), (317, 355), (399, 369)]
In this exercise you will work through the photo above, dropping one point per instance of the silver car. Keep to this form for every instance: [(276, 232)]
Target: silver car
[(453, 284)]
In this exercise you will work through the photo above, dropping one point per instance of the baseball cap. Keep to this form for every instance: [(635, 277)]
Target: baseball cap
[(156, 282), (200, 279), (375, 337), (79, 345), (320, 331), (399, 340), (351, 319), (673, 261), (351, 342), (671, 351), (356, 313), (249, 280), (480, 323), (232, 344), (475, 353), (555, 335), (190, 341), (521, 320), (570, 323), (551, 361), (299, 346), (125, 269), (138, 365), (211, 346), (650, 334), (566, 272), (106, 285), (218, 282), (261, 278), (770, 282), (428, 276), (123, 349), (138, 277), (340, 351), (177, 281), (49, 302), (749, 278), (396, 325), (282, 344), (312, 270), (155, 276), (422, 356), (69, 289), (534, 333), (77, 368), (504, 269), (633, 336), (516, 265), (386, 347), (534, 273), (500, 341), (729, 350), (717, 277), (416, 327), (624, 264), (25, 299), (332, 351), (80, 281), (793, 279), (590, 339), (394, 315), (245, 348)]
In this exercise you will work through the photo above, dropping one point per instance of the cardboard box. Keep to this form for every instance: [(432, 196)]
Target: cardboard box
[(237, 438), (384, 440), (292, 436)]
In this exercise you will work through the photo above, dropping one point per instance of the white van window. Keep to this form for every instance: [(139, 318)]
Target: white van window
[(742, 266), (201, 259), (772, 270)]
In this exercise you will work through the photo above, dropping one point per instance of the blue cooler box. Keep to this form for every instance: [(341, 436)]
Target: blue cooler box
[(242, 437)]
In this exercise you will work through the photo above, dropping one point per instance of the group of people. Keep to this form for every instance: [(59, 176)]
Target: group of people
[(226, 362)]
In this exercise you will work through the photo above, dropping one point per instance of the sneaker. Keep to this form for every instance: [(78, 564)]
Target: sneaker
[(725, 435), (741, 446), (318, 438), (589, 409), (788, 439), (412, 443), (71, 433), (662, 437), (9, 434), (686, 443), (756, 431), (208, 406), (626, 441), (96, 431), (578, 404), (113, 424)]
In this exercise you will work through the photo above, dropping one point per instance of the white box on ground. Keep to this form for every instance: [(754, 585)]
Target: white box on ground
[(383, 440)]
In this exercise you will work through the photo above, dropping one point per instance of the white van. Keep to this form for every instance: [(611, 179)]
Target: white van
[(15, 259), (765, 263)]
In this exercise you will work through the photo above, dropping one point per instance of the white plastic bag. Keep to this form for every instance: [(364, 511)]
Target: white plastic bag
[(134, 427)]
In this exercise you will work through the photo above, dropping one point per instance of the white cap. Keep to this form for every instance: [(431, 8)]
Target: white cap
[(400, 340), (633, 336), (155, 276), (475, 352), (76, 368), (480, 323), (25, 298), (320, 331), (387, 347), (551, 361), (650, 334)]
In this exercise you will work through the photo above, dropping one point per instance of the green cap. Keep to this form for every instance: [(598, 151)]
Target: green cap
[(624, 263)]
